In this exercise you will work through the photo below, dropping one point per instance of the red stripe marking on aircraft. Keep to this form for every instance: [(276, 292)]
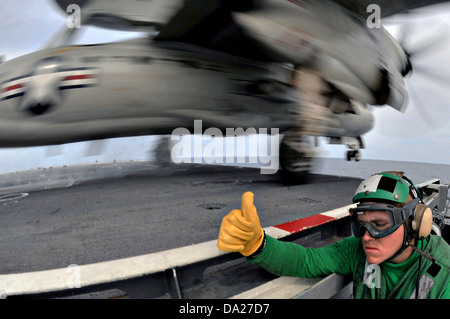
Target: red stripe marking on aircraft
[(78, 77), (12, 87), (305, 223)]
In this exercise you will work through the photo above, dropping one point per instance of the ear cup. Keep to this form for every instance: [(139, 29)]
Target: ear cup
[(423, 221)]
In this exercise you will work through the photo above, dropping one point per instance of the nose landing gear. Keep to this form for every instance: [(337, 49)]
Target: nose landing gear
[(354, 144), (353, 154)]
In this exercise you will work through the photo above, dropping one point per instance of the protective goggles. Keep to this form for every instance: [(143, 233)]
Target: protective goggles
[(384, 224)]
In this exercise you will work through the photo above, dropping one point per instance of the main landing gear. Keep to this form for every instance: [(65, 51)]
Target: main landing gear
[(296, 158)]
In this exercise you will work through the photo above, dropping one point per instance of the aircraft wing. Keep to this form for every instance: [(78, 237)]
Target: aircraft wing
[(388, 7), (210, 23), (177, 17), (211, 15), (207, 23)]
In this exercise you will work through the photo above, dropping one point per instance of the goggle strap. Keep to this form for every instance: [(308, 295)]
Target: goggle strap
[(407, 210)]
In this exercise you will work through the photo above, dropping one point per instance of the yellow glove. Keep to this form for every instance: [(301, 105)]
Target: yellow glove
[(241, 230)]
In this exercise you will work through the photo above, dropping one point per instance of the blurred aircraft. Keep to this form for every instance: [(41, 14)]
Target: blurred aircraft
[(308, 68)]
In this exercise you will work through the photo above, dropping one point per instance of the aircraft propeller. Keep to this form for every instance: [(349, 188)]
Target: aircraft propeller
[(422, 36)]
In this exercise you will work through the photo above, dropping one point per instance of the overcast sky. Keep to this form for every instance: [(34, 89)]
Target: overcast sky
[(420, 134)]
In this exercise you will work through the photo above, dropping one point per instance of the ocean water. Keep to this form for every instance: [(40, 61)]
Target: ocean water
[(417, 172)]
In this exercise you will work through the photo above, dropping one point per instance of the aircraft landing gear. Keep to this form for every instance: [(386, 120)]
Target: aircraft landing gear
[(354, 144), (161, 153), (296, 157), (353, 154)]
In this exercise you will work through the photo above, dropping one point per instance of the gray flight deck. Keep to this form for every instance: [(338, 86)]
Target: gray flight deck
[(63, 216)]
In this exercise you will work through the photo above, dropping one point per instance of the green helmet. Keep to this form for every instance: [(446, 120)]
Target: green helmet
[(385, 186)]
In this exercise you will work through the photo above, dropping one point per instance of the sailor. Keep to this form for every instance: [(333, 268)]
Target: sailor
[(391, 255)]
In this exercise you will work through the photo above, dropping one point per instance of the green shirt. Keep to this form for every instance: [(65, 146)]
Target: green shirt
[(347, 257), (393, 272)]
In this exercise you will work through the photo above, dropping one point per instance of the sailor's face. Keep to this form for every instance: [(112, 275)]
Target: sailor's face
[(380, 249)]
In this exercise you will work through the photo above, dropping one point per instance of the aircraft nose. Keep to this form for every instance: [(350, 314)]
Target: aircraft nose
[(46, 67)]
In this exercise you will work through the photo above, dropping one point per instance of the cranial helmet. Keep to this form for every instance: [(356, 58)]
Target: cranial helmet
[(396, 194), (386, 187)]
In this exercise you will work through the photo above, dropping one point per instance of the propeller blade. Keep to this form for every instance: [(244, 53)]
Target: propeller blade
[(432, 74), (432, 44), (420, 107)]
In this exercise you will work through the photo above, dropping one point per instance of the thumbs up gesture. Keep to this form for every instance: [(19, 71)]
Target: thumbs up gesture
[(241, 230)]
